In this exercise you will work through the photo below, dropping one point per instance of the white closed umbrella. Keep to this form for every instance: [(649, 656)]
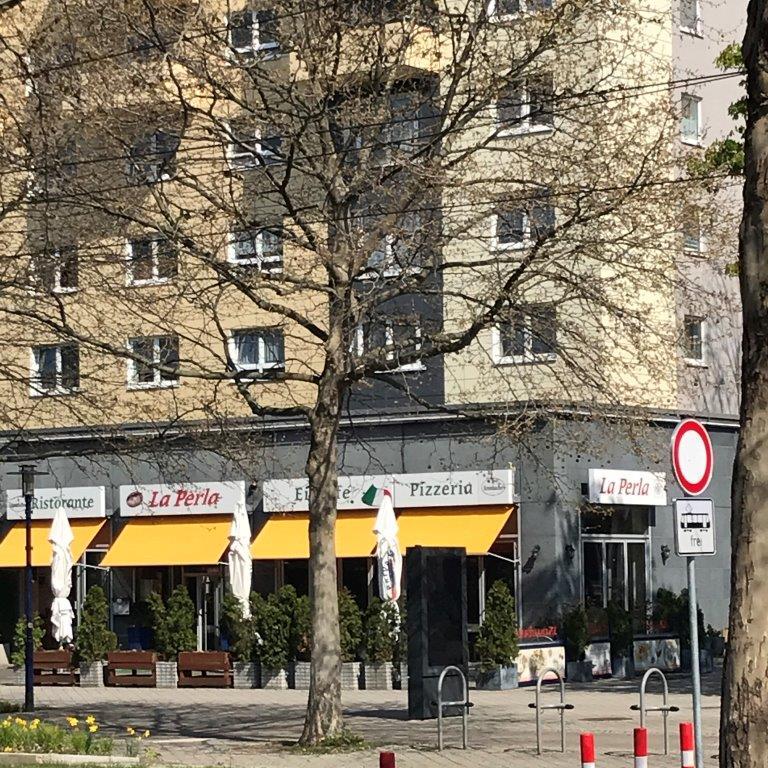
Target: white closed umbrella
[(239, 558), (61, 539), (388, 549)]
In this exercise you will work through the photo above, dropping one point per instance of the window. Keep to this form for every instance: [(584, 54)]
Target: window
[(151, 260), (55, 369), (693, 339), (156, 363), (260, 246), (692, 238), (502, 9), (56, 271), (152, 158), (529, 335), (252, 32), (399, 250), (258, 349), (519, 227), (526, 106), (690, 16), (398, 337), (690, 121), (248, 147)]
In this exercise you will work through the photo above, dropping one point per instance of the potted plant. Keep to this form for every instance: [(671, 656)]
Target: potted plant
[(578, 669), (241, 636), (302, 643), (18, 654), (673, 610), (378, 642), (351, 631), (496, 645), (94, 639), (621, 635), (272, 627), (174, 630)]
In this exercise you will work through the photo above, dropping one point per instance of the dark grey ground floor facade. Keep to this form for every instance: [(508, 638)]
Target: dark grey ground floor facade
[(559, 548)]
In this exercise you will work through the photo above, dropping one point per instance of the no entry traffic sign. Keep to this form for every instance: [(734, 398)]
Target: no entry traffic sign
[(692, 456)]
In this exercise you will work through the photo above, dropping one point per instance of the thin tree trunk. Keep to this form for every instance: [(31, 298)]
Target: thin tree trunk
[(744, 714), (324, 716)]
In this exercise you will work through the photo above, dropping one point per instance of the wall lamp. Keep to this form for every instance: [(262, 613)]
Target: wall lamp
[(665, 553), (570, 552)]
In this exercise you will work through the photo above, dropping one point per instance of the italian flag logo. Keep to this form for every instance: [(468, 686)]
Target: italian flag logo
[(373, 496)]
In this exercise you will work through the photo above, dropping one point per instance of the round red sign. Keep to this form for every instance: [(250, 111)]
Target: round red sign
[(692, 456)]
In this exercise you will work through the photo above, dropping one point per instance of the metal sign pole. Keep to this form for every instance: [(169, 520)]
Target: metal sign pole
[(693, 614)]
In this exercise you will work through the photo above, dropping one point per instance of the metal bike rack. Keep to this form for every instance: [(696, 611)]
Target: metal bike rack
[(665, 708), (561, 706), (465, 704)]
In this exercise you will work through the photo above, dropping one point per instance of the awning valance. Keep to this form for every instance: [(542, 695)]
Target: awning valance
[(182, 540), (13, 545), (285, 537)]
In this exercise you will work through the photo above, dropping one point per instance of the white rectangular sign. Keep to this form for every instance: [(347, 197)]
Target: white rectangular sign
[(76, 502), (626, 486), (181, 499), (694, 527), (428, 489)]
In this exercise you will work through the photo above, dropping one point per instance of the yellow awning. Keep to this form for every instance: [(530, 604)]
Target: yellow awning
[(285, 537), (182, 540), (13, 546)]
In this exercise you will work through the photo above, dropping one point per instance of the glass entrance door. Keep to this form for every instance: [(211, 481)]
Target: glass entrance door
[(206, 591), (615, 571)]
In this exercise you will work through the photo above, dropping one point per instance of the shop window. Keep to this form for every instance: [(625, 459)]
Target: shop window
[(354, 576), (296, 574), (263, 577), (55, 369), (607, 521)]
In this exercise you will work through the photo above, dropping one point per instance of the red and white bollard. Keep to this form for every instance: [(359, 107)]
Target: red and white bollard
[(587, 741), (386, 760), (641, 748), (687, 750)]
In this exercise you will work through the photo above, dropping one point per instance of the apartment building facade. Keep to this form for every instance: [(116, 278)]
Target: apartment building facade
[(197, 200)]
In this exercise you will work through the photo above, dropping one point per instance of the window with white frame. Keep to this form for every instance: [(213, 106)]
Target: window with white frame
[(258, 349), (526, 335), (56, 270), (55, 369), (151, 260), (693, 241), (690, 16), (257, 246), (504, 9), (253, 31), (152, 157), (249, 147), (401, 249), (690, 119), (519, 227), (154, 361), (693, 338), (397, 338), (526, 106)]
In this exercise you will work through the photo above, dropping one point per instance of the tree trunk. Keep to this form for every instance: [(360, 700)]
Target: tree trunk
[(744, 713), (324, 716)]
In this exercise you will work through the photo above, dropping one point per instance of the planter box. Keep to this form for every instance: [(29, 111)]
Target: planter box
[(498, 679), (301, 675), (578, 671), (400, 676), (274, 679), (378, 677), (245, 674), (18, 675), (92, 674), (51, 758), (622, 667), (167, 674), (350, 676)]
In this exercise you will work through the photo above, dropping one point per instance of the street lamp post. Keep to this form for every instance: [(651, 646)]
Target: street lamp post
[(28, 491)]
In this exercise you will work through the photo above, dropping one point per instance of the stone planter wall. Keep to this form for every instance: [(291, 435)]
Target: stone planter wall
[(378, 677), (400, 676), (92, 674), (578, 672), (350, 676), (274, 679), (167, 674), (301, 675), (498, 679), (18, 675), (245, 674)]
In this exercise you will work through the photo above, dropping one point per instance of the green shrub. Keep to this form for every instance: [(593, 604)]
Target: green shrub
[(272, 627), (350, 625), (94, 639), (238, 630), (23, 734), (18, 655), (303, 638), (620, 630), (673, 609), (497, 640), (378, 636), (576, 634), (173, 625), (287, 600)]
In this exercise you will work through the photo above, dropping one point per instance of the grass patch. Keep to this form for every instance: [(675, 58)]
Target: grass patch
[(346, 741)]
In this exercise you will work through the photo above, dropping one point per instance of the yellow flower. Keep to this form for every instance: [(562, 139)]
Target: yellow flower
[(33, 725), (146, 734), (93, 728), (130, 731), (20, 722), (72, 721), (7, 749), (90, 720)]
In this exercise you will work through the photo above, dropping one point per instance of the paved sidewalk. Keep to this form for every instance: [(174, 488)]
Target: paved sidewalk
[(251, 729)]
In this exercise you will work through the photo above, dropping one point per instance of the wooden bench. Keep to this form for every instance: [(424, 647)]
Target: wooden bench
[(132, 668), (204, 669), (53, 668)]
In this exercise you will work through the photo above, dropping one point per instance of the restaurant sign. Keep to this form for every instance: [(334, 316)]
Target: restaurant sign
[(181, 499), (429, 489), (624, 486), (76, 502)]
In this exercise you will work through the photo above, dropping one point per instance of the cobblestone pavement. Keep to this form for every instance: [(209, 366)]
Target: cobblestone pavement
[(254, 729)]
